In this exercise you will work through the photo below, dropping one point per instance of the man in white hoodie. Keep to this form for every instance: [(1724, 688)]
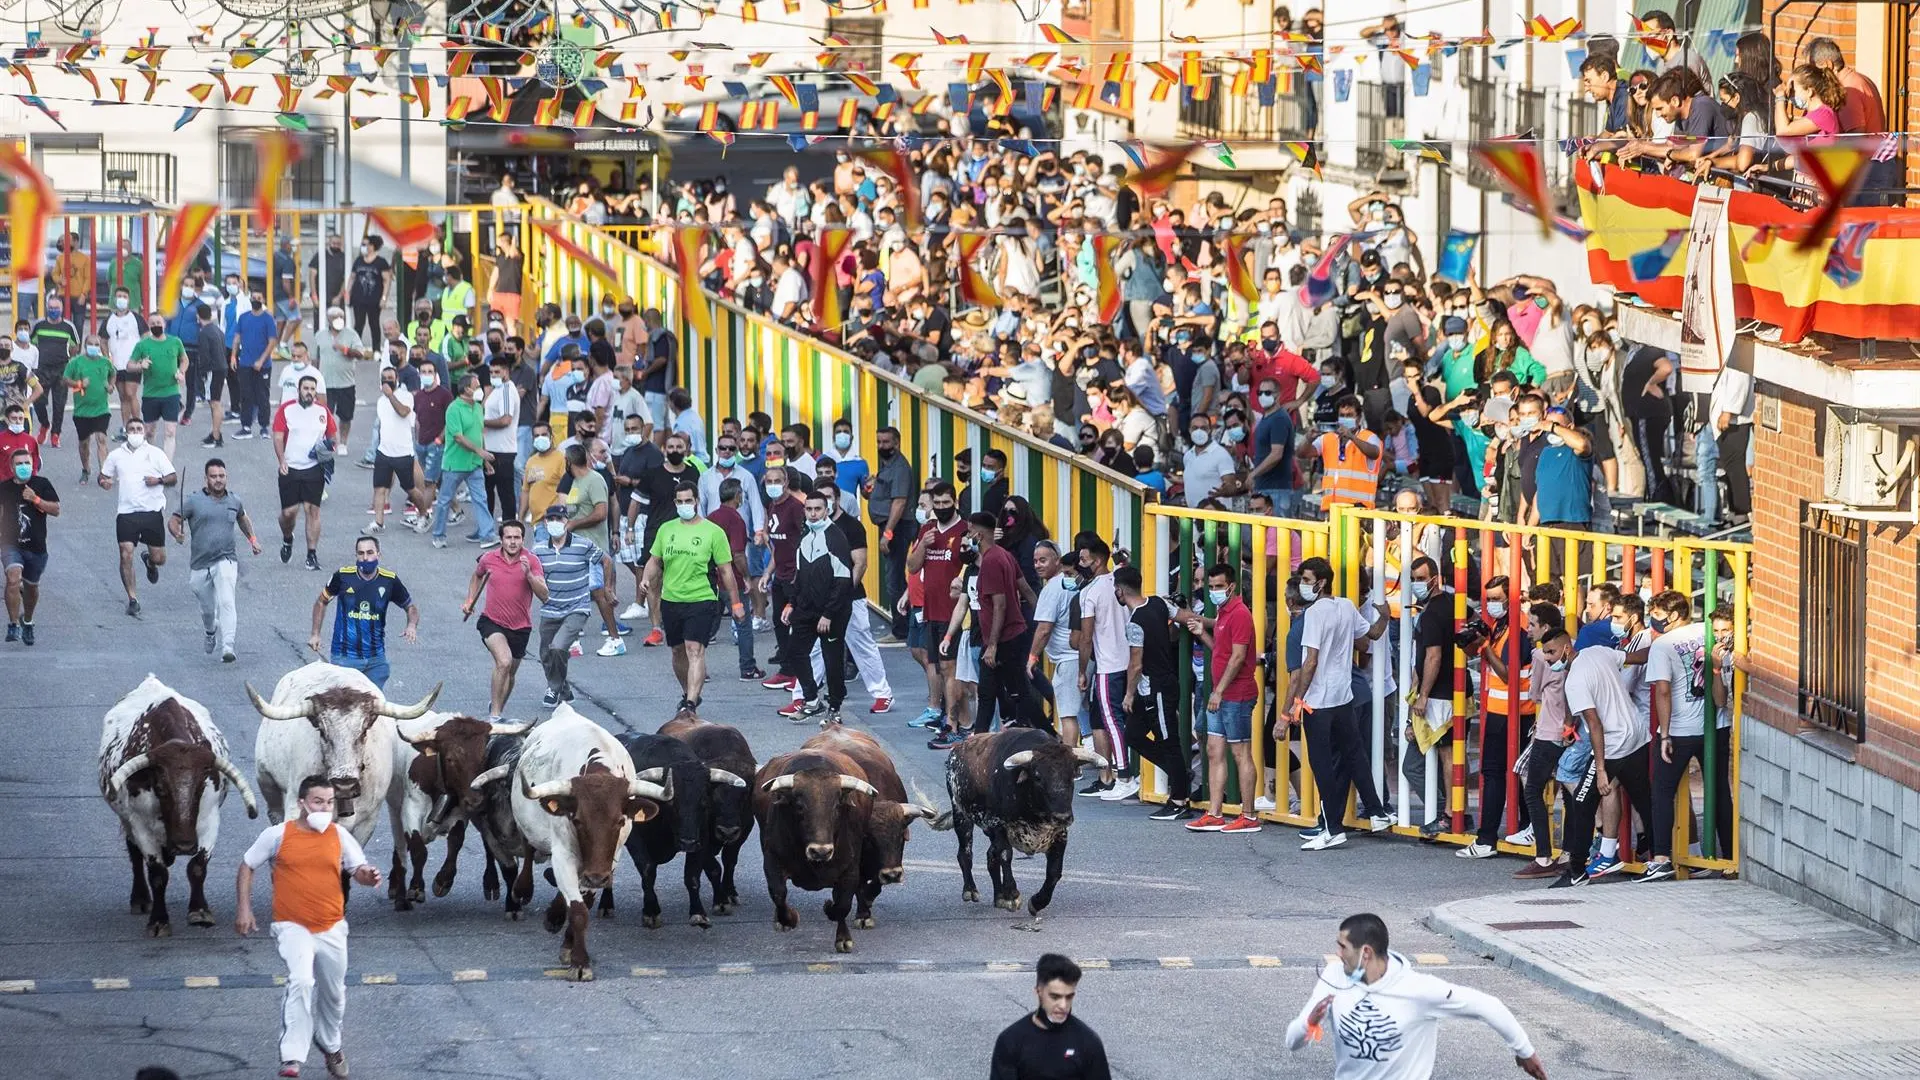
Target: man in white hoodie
[(1386, 1015)]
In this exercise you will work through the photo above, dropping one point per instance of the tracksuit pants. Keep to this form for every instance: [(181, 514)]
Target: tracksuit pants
[(833, 654), (1495, 767), (315, 1002), (213, 587), (778, 597), (1109, 690), (1005, 689), (1338, 759), (556, 635), (1153, 727), (866, 653), (1583, 803), (1541, 761)]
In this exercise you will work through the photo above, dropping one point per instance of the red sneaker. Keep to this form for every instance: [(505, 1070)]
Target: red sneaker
[(55, 440), (1207, 823), (1243, 823), (882, 705), (781, 682), (655, 637), (792, 708)]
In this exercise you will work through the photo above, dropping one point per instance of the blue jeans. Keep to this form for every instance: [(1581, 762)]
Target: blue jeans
[(374, 668), (743, 637), (475, 481), (525, 447), (1706, 467)]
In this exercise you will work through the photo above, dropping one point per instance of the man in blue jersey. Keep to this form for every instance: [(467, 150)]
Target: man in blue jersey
[(365, 590)]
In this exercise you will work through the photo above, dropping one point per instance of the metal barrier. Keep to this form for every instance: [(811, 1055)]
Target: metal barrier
[(752, 363), (1367, 549)]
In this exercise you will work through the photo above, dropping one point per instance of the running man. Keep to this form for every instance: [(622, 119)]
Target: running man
[(142, 473), (1050, 1043), (90, 376), (570, 562), (57, 339), (211, 515), (31, 500), (303, 430), (1386, 1016), (511, 577), (366, 591), (393, 454), (682, 558), (310, 856), (160, 362)]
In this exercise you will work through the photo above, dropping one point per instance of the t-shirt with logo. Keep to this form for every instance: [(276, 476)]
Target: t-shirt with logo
[(786, 522), (29, 532), (166, 354), (1679, 659), (942, 565), (1000, 576), (97, 371), (360, 624), (1150, 629), (688, 551), (304, 426)]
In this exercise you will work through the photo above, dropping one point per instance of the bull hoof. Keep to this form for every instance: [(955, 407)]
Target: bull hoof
[(864, 922), (513, 916), (489, 892), (554, 925), (159, 929), (604, 913), (971, 896), (443, 886), (200, 917), (700, 921), (137, 907), (418, 894), (401, 903), (566, 954), (651, 922), (580, 974), (843, 945), (786, 918), (1009, 903), (724, 908)]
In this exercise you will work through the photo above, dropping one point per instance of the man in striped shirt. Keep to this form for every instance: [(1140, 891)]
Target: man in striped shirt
[(572, 568)]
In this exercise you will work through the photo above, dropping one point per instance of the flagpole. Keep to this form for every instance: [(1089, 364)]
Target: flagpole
[(346, 148)]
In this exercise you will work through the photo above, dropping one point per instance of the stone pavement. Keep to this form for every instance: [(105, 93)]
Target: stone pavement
[(1771, 985)]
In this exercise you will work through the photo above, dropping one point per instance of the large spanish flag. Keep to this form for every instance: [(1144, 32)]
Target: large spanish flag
[(190, 224), (975, 289), (824, 281), (696, 311), (1870, 295)]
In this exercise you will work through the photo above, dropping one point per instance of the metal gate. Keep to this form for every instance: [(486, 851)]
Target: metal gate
[(1833, 630)]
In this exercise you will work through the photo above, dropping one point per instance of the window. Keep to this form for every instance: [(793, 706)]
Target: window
[(1833, 626), (1483, 123), (309, 182), (1374, 102), (863, 41)]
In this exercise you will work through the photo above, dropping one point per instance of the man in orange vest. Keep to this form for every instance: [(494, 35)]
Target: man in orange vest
[(1503, 706), (1349, 459), (308, 853)]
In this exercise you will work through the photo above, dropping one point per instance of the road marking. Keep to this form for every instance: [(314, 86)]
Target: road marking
[(848, 966)]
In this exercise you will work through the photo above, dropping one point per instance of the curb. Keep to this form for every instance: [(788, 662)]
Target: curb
[(1495, 946)]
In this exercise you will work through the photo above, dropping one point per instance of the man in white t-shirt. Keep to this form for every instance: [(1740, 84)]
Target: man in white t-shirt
[(303, 432), (1206, 463), (142, 474), (1323, 701), (122, 330), (627, 400), (1104, 656), (1597, 696), (1682, 680), (393, 453), (790, 292), (1053, 638), (300, 367)]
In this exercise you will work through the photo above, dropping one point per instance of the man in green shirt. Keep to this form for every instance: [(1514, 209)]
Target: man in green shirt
[(90, 376), (161, 361), (1456, 356), (685, 554), (454, 347), (465, 464), (129, 273)]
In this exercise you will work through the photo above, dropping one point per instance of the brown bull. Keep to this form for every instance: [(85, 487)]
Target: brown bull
[(883, 854), (813, 807)]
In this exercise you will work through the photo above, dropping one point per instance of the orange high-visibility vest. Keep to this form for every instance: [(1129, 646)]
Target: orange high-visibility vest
[(1497, 687), (306, 878), (1348, 477)]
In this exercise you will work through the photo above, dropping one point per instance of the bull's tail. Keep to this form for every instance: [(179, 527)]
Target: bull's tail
[(942, 821)]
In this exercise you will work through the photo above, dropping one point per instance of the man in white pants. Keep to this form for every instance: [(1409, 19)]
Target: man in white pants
[(308, 855), (1053, 638), (211, 515), (860, 643)]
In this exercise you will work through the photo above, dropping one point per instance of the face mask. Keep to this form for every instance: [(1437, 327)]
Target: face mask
[(367, 566), (1524, 424), (1555, 440), (842, 441), (233, 288), (1558, 665), (1328, 382), (479, 394), (1394, 300), (258, 303), (774, 491), (945, 514), (674, 457), (1349, 423), (686, 512), (1496, 609), (1470, 417), (22, 471), (16, 428), (887, 452), (498, 381), (542, 444), (136, 440), (1218, 596), (1069, 582), (93, 350), (1200, 436), (120, 303), (1309, 592), (428, 382), (1234, 435), (818, 526), (21, 337), (988, 476), (629, 440), (1619, 628), (337, 324), (1658, 623), (318, 820), (1420, 589), (922, 516), (1266, 401), (157, 330), (727, 460), (1456, 342), (1358, 976)]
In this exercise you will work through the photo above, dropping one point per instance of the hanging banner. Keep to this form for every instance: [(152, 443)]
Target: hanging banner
[(1706, 299)]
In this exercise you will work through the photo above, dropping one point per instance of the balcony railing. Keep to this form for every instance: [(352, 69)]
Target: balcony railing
[(1382, 115), (1483, 123), (1223, 115)]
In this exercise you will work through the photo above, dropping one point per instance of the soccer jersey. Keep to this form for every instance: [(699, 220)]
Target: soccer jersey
[(360, 623)]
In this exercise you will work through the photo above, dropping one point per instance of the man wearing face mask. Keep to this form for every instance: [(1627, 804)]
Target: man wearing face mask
[(1555, 467), (1350, 458), (57, 340), (211, 515), (816, 609), (889, 493), (394, 444), (683, 555), (465, 465), (1206, 463), (786, 524), (90, 376), (251, 339), (27, 501), (500, 419), (160, 360), (122, 328), (366, 591), (1051, 1043), (337, 347), (1386, 1016), (1323, 702), (207, 373), (140, 471), (303, 432), (310, 855), (649, 476)]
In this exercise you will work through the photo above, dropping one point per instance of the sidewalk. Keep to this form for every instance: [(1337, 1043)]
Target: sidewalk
[(1773, 986)]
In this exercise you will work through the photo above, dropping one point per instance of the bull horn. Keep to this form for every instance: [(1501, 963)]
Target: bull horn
[(231, 772), (1022, 758), (418, 740), (1081, 753), (657, 775), (409, 712), (550, 789), (920, 810), (778, 783), (648, 790), (722, 776), (520, 728), (274, 712), (854, 783), (125, 772), (498, 772)]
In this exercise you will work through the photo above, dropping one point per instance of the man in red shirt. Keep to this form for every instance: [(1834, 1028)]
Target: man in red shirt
[(935, 555), (1288, 369), (15, 436), (511, 577), (727, 515), (1229, 722), (1005, 639)]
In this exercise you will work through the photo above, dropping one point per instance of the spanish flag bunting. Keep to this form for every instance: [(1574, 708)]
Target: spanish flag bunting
[(1106, 253), (1168, 77), (242, 96), (749, 116), (687, 240), (894, 164), (863, 84), (828, 60), (1305, 153), (362, 121), (406, 228), (709, 116), (976, 66), (583, 113), (380, 57), (1162, 165), (759, 59), (26, 75), (153, 82), (849, 112), (1654, 40), (340, 84), (120, 87), (1517, 165), (1119, 65), (422, 89), (30, 204), (1001, 83), (547, 111), (289, 93), (724, 138), (1240, 269), (975, 289), (190, 225), (924, 105), (792, 7), (749, 12), (1083, 95), (1191, 72), (826, 295), (459, 62), (810, 120), (1837, 168), (1261, 67), (1545, 30), (1038, 61), (200, 92), (606, 59), (1308, 62), (92, 79), (945, 39), (274, 153), (1057, 36), (784, 84), (1408, 56), (680, 55)]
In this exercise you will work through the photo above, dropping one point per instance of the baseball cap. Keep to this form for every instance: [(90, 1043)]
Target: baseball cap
[(556, 512), (1453, 324)]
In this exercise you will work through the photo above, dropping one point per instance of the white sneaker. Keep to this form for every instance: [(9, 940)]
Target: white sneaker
[(1125, 787), (1264, 803), (634, 610), (614, 646), (1379, 824), (1324, 841), (1476, 850), (1523, 838), (761, 626)]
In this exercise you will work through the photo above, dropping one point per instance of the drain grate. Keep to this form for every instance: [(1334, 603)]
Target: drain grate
[(1550, 901), (1541, 924)]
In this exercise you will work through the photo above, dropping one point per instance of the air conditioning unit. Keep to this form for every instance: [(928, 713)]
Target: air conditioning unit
[(1869, 466)]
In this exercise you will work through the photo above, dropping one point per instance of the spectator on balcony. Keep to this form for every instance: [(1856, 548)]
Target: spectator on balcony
[(1816, 94), (1308, 87), (1745, 103), (1753, 56), (1386, 35), (1600, 81), (1506, 354), (1680, 52), (1640, 118), (1863, 110), (1680, 100)]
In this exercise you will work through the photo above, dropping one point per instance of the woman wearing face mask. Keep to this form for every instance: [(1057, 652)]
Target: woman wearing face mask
[(1507, 354)]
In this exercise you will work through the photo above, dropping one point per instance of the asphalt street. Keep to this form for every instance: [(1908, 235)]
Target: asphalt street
[(1200, 948)]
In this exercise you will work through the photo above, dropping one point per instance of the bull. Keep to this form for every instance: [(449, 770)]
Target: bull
[(685, 824), (436, 758), (814, 808), (883, 852), (348, 738), (164, 770), (506, 848), (575, 799), (721, 747), (1016, 785)]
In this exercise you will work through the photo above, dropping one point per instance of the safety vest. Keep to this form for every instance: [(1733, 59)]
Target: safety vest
[(1348, 477), (1497, 687)]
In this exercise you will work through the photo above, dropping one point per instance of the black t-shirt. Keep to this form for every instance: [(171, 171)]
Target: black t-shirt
[(1436, 442), (937, 327), (28, 527), (638, 465), (666, 347), (856, 533), (1528, 453), (1027, 1051), (1435, 627), (1150, 627), (336, 270), (368, 277), (1633, 380)]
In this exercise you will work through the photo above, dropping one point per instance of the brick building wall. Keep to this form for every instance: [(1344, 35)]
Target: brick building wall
[(1823, 819)]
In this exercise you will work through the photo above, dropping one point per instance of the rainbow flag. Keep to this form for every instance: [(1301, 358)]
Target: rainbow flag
[(274, 153), (694, 307), (190, 225)]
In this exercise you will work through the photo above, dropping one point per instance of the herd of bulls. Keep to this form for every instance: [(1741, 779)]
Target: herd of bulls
[(833, 815)]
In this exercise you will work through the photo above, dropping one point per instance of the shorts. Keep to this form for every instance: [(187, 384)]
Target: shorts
[(516, 639), (141, 527), (302, 487), (657, 405), (694, 622), (31, 563), (161, 408), (1233, 721), (966, 662), (387, 469), (428, 455), (86, 426), (1066, 687), (916, 630), (759, 557), (936, 633), (126, 378), (286, 310), (207, 382), (340, 402), (507, 304)]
